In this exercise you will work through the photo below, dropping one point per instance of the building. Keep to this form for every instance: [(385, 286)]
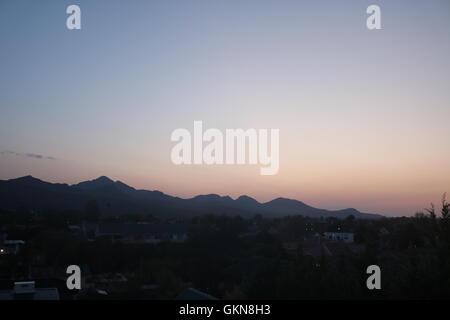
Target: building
[(137, 232), (27, 290), (9, 246), (346, 237)]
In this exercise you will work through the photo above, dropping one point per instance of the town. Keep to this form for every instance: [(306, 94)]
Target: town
[(220, 257)]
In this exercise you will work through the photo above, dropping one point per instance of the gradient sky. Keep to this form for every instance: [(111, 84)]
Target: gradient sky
[(364, 116)]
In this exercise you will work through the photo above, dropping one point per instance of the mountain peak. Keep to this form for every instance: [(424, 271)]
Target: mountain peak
[(28, 178), (244, 197), (103, 179), (96, 183), (25, 178), (208, 196), (246, 200), (211, 197), (286, 203), (284, 200)]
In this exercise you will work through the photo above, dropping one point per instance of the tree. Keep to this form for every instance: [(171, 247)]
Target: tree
[(431, 211), (445, 211)]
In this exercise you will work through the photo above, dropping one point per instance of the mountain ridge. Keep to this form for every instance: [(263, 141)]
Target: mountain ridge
[(116, 197)]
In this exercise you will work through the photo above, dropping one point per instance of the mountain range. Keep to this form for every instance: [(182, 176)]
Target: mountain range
[(115, 198)]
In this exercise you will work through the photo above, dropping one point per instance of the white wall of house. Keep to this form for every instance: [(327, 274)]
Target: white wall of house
[(341, 236)]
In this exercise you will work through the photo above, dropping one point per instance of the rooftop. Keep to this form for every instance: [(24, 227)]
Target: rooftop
[(26, 290)]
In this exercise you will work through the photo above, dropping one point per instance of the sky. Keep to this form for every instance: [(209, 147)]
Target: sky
[(363, 114)]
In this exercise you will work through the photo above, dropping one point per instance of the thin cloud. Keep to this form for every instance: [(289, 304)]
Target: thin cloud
[(33, 155), (27, 155)]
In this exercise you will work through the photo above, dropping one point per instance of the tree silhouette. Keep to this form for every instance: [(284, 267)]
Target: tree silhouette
[(431, 211), (445, 207)]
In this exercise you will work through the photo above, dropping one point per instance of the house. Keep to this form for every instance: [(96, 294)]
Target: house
[(137, 232), (26, 290), (346, 237), (9, 246)]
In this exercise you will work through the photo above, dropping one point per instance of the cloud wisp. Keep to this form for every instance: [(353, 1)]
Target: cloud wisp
[(27, 155)]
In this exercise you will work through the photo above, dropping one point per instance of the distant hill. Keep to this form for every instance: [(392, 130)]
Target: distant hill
[(115, 197)]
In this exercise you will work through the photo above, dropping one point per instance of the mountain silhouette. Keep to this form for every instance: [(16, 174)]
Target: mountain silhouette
[(246, 201), (100, 182), (116, 198)]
